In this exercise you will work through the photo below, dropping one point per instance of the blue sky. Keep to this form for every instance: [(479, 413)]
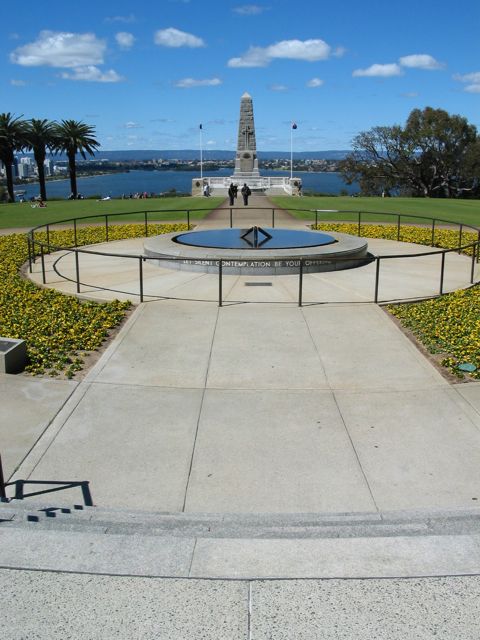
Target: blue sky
[(145, 74)]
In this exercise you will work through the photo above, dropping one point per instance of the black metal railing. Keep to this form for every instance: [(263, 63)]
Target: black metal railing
[(37, 248)]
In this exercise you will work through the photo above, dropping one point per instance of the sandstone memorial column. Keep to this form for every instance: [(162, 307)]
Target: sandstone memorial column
[(246, 162)]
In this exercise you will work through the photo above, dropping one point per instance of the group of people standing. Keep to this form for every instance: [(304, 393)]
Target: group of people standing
[(233, 192)]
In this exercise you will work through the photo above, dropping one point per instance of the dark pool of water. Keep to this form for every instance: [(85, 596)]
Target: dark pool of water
[(240, 239)]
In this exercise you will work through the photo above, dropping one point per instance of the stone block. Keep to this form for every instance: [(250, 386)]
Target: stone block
[(13, 355)]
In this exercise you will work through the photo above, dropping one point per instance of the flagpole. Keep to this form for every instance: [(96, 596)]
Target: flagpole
[(291, 152), (201, 154)]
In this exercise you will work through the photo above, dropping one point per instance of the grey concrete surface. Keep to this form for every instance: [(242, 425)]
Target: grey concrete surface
[(399, 278), (52, 606), (26, 408), (424, 609), (264, 408)]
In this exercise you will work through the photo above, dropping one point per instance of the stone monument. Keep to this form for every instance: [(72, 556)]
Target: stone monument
[(246, 165), (246, 162)]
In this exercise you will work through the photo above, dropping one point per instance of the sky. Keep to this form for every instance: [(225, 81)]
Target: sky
[(146, 74)]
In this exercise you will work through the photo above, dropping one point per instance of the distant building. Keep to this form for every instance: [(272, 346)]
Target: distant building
[(49, 167)]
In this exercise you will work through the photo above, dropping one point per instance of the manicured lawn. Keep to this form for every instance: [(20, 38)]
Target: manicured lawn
[(467, 211), (21, 215)]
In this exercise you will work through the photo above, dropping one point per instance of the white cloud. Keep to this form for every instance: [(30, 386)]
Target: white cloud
[(472, 78), (18, 83), (379, 71), (175, 38), (314, 82), (421, 61), (91, 73), (61, 49), (308, 50), (124, 39), (278, 87), (132, 125), (188, 83), (248, 9)]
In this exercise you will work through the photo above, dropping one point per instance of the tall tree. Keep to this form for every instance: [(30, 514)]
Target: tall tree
[(72, 137), (12, 139), (40, 137), (435, 155)]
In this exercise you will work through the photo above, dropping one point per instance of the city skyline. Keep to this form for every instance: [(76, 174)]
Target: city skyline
[(146, 77)]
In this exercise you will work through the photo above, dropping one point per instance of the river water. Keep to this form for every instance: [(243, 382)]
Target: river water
[(118, 184)]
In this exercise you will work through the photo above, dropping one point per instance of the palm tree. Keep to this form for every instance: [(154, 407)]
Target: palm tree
[(12, 138), (40, 136), (73, 136)]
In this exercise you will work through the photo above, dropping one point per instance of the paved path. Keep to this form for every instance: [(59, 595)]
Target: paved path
[(246, 409)]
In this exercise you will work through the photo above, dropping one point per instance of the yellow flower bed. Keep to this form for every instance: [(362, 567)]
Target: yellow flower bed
[(449, 325), (57, 327)]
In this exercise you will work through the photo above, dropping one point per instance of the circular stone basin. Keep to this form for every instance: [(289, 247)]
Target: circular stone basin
[(257, 251), (265, 239)]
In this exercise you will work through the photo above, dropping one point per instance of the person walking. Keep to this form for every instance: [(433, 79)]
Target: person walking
[(231, 193), (245, 193)]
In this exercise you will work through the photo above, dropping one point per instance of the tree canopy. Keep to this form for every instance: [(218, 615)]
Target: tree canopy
[(435, 154)]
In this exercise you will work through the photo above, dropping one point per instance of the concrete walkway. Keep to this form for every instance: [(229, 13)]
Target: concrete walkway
[(225, 425)]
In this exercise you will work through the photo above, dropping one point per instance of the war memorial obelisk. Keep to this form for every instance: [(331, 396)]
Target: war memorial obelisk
[(246, 164), (246, 161)]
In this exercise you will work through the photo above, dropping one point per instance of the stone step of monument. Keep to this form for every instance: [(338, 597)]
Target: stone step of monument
[(47, 516), (101, 541)]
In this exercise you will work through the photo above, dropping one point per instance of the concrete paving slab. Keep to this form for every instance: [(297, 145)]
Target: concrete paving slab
[(28, 405), (361, 348), (133, 444), (168, 345), (471, 394), (420, 608), (417, 448), (52, 606), (337, 557), (274, 451), (262, 349), (93, 552)]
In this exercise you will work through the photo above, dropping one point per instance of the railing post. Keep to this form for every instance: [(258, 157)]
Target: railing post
[(140, 273), (220, 270), (359, 224), (106, 228), (77, 271), (460, 233), (478, 248), (75, 232), (273, 218), (300, 284), (433, 233), (316, 218), (146, 223), (231, 218), (188, 219), (442, 272), (377, 277), (29, 254), (398, 229), (3, 493), (44, 279), (33, 245), (474, 257)]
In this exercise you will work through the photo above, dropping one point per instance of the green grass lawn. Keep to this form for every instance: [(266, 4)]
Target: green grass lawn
[(21, 215), (467, 211)]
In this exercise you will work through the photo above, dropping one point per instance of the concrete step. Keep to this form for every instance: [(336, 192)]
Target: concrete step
[(19, 513), (236, 546)]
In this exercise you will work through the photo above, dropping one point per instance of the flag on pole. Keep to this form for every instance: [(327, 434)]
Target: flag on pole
[(294, 125), (201, 127)]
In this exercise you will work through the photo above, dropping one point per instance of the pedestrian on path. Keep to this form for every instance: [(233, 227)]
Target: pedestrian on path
[(245, 193), (231, 193)]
